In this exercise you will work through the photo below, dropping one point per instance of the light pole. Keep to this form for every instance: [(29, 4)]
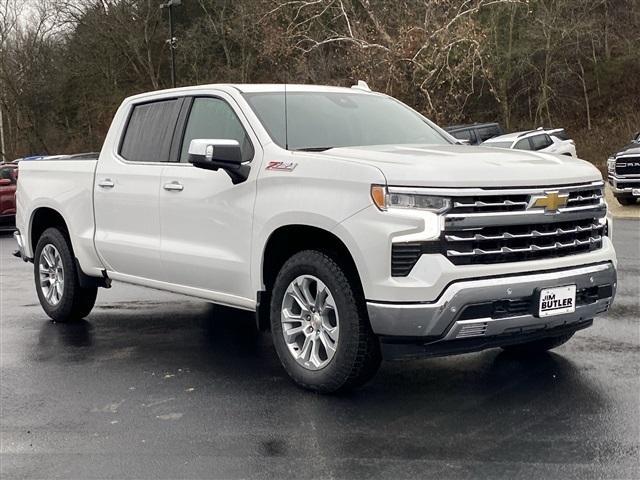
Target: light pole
[(172, 41), (3, 158)]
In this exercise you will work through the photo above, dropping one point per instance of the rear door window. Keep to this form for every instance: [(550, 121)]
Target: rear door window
[(538, 142), (149, 131), (523, 144)]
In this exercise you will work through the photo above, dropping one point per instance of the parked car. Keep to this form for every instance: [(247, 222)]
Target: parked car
[(354, 227), (547, 141), (8, 181), (476, 133), (623, 172)]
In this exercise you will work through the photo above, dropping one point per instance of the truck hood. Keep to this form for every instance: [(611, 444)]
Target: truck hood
[(468, 166)]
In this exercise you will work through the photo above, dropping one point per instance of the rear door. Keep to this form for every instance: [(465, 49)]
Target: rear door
[(127, 186), (205, 219)]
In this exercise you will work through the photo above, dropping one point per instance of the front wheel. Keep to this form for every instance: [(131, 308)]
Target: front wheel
[(320, 328), (57, 283)]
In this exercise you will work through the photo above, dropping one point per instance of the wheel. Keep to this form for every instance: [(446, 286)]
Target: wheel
[(538, 346), (626, 200), (56, 278), (319, 325)]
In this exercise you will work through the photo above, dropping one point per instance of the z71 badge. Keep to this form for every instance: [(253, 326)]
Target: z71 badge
[(282, 166)]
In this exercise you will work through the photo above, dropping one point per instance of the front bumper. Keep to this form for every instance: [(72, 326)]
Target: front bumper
[(495, 306), (623, 184)]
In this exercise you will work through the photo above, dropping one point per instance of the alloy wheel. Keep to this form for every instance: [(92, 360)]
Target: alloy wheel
[(310, 322), (51, 274)]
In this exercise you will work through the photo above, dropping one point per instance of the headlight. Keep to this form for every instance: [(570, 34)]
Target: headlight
[(385, 199), (611, 164)]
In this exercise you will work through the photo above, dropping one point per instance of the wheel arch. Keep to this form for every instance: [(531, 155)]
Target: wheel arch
[(287, 240), (43, 218)]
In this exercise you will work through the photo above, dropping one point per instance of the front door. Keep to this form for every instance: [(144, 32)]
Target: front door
[(205, 219)]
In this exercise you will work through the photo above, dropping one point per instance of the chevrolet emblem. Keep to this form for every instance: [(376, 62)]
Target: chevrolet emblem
[(551, 201)]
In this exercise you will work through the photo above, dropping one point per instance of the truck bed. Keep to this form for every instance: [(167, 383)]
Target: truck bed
[(63, 184)]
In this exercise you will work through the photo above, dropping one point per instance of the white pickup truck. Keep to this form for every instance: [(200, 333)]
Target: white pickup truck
[(354, 227)]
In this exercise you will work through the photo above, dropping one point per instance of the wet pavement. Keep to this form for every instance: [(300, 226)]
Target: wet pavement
[(155, 385)]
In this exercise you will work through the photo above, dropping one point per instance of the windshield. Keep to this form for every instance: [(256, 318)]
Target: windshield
[(321, 120), (498, 144)]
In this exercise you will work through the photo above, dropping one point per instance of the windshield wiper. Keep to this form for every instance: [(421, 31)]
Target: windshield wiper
[(313, 149)]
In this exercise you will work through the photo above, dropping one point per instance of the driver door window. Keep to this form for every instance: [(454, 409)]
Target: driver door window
[(213, 118)]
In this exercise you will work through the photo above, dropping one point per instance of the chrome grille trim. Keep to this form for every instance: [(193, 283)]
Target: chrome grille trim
[(533, 234), (479, 203), (489, 219), (530, 248)]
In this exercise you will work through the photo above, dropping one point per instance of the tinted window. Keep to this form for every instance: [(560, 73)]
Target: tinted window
[(149, 131), (538, 142), (486, 133), (214, 119), (561, 135), (8, 173), (341, 119), (523, 144), (462, 134)]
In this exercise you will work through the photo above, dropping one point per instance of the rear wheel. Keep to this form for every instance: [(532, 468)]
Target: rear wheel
[(320, 330), (626, 200), (538, 346), (56, 278)]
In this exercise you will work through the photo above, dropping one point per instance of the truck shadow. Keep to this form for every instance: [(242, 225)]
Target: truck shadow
[(411, 409)]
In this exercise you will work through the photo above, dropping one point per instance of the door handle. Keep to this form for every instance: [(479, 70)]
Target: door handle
[(173, 186), (107, 183)]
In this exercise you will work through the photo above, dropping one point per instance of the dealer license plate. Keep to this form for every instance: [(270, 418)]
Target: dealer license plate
[(635, 192), (557, 300)]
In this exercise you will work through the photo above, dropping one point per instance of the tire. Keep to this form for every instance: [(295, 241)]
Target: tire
[(626, 200), (71, 302), (538, 346), (357, 351)]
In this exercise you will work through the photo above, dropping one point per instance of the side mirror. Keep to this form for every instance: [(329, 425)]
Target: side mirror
[(219, 154), (5, 182)]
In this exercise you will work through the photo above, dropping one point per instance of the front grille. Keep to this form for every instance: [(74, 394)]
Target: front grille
[(497, 227), (508, 225), (513, 201), (628, 166), (523, 242)]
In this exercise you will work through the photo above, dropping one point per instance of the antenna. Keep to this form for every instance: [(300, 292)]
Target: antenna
[(286, 120)]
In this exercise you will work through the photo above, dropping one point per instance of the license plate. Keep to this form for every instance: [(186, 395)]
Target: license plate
[(635, 192), (557, 300)]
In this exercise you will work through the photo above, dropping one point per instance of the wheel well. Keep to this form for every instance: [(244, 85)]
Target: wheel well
[(290, 239), (44, 218)]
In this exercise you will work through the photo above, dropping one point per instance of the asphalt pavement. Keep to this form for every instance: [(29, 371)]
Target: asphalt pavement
[(155, 385)]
